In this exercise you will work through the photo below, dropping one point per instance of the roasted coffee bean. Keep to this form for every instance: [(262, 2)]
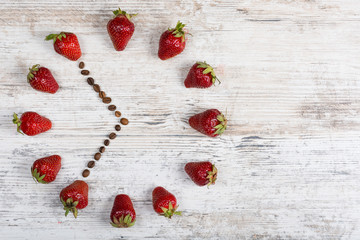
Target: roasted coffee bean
[(102, 94), (91, 164), (97, 156), (102, 149), (106, 142), (117, 113), (96, 88), (112, 135), (124, 121), (106, 100), (86, 173), (81, 65), (112, 107), (90, 81), (85, 72), (117, 127)]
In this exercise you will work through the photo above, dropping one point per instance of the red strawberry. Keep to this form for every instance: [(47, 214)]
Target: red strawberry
[(164, 202), (41, 79), (211, 122), (66, 44), (74, 197), (202, 173), (31, 123), (120, 29), (122, 214), (172, 42), (201, 75), (44, 170)]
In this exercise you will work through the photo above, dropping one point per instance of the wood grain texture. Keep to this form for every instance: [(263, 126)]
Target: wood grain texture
[(288, 163)]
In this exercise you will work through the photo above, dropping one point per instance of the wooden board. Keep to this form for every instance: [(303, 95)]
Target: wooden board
[(288, 163)]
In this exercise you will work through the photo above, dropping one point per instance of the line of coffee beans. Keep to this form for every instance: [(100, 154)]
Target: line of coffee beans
[(106, 100)]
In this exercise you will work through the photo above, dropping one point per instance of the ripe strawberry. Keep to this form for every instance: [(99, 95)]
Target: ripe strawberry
[(120, 29), (41, 79), (202, 173), (74, 197), (122, 214), (172, 42), (211, 122), (31, 123), (201, 75), (66, 44), (44, 170), (164, 202)]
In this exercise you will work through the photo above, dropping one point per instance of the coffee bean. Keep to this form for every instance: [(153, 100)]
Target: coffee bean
[(112, 107), (96, 88), (90, 81), (97, 156), (102, 94), (118, 127), (112, 135), (102, 149), (85, 72), (106, 142), (106, 100), (91, 164), (124, 121), (86, 173), (117, 113), (81, 65)]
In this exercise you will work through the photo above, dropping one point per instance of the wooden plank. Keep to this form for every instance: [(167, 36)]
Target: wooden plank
[(288, 163)]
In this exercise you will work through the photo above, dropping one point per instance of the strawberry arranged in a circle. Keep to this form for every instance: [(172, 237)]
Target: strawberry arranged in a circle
[(66, 44), (31, 123), (41, 79), (121, 29), (74, 197), (172, 42), (210, 122), (201, 173), (45, 170), (164, 202), (122, 214), (201, 75)]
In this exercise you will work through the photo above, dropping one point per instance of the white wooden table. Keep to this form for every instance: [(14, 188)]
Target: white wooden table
[(288, 163)]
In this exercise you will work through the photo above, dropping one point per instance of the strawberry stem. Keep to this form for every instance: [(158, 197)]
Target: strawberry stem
[(123, 222), (220, 128), (208, 69), (17, 121), (37, 177), (70, 206), (212, 175), (55, 36), (170, 211), (178, 31), (33, 69), (120, 12)]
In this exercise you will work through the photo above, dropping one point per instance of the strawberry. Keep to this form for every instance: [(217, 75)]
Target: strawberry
[(172, 42), (201, 75), (122, 214), (211, 122), (121, 29), (66, 44), (164, 202), (202, 173), (41, 79), (74, 197), (31, 123), (44, 170)]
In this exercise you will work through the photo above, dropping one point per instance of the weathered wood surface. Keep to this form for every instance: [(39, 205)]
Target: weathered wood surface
[(288, 163)]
